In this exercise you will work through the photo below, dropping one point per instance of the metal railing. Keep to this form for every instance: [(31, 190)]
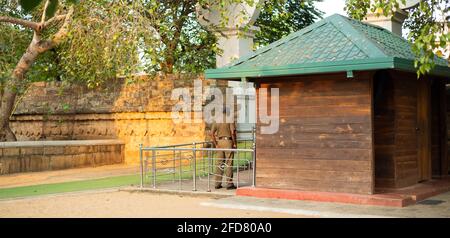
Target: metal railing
[(173, 167)]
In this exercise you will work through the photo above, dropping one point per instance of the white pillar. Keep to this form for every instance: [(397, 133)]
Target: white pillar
[(235, 37), (392, 23), (234, 43)]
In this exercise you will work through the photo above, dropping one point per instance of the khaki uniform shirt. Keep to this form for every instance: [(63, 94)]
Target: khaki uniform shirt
[(223, 129)]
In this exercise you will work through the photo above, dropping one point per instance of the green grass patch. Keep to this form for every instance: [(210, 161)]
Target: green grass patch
[(171, 174), (74, 186)]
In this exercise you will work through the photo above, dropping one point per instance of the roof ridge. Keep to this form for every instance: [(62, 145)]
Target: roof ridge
[(358, 38), (278, 42), (438, 60)]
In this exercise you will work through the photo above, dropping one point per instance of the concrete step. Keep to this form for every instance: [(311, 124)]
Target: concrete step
[(391, 200)]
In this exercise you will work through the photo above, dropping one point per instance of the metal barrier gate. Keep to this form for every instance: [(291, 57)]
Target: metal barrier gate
[(194, 166)]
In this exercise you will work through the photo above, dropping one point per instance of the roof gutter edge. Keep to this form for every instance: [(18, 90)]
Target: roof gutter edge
[(302, 69), (408, 65)]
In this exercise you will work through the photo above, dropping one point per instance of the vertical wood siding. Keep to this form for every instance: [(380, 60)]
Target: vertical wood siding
[(325, 138), (396, 138), (406, 135)]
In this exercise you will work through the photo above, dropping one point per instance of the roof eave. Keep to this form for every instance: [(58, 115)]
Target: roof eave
[(301, 69), (408, 65), (320, 68)]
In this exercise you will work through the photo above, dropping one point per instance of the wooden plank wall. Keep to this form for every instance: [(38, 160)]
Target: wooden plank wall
[(443, 130), (384, 130), (435, 136), (325, 138), (395, 135), (406, 135), (409, 130), (439, 127), (446, 164)]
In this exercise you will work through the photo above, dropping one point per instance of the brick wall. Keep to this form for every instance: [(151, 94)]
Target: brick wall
[(34, 156), (138, 112)]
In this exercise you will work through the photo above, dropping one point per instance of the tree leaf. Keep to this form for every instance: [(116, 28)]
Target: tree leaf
[(51, 8), (29, 5), (72, 1)]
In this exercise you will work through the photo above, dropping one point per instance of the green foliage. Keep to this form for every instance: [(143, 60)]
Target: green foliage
[(183, 45), (197, 50), (48, 67), (279, 18), (15, 40), (37, 6), (51, 9), (186, 46), (109, 41), (29, 5), (104, 43), (426, 32), (358, 9), (13, 43)]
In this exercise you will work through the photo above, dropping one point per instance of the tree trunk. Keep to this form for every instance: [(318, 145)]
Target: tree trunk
[(8, 99), (168, 66), (169, 62), (36, 47), (11, 87)]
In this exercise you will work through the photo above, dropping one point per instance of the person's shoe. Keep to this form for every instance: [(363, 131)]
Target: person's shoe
[(219, 187), (231, 187)]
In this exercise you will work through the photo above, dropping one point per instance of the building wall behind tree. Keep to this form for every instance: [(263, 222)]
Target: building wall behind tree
[(137, 112)]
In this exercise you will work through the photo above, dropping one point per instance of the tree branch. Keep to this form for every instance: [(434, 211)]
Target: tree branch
[(28, 24), (59, 36), (54, 19), (64, 30), (45, 12)]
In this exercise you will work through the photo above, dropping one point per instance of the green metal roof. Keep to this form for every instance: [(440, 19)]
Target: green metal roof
[(334, 44)]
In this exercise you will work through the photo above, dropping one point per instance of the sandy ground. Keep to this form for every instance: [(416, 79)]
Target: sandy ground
[(122, 204), (58, 176)]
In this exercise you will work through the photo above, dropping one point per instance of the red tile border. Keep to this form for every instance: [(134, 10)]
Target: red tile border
[(391, 200)]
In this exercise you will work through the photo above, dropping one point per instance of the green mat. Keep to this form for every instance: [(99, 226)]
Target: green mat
[(74, 186)]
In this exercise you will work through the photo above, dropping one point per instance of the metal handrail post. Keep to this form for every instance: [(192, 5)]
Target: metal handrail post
[(174, 166), (209, 174), (180, 170), (154, 168), (202, 158), (195, 166), (237, 174), (210, 154), (142, 166), (248, 167), (254, 158)]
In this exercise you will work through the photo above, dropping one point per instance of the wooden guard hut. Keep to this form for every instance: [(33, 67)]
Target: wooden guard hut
[(353, 115)]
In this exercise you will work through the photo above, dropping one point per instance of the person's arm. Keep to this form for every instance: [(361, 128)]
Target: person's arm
[(233, 135), (213, 134)]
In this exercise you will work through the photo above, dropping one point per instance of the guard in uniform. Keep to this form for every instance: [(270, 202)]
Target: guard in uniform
[(224, 137)]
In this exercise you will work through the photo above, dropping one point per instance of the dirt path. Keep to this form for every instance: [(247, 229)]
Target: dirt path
[(120, 204)]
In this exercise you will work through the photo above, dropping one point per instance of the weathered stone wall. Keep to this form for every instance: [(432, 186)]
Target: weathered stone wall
[(34, 156), (138, 112)]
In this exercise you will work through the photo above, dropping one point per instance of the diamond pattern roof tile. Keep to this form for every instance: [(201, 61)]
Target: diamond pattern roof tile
[(330, 42)]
